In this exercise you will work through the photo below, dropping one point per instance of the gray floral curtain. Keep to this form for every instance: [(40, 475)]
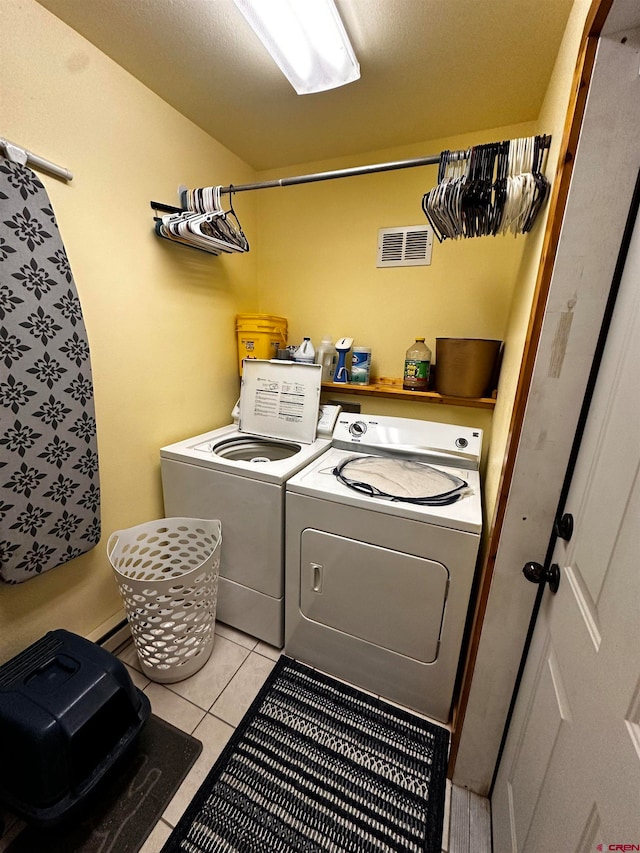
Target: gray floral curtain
[(49, 484)]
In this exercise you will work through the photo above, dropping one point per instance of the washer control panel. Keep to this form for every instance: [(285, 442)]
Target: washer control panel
[(438, 443), (358, 428)]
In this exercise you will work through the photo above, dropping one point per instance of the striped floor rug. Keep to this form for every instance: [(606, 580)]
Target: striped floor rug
[(317, 766)]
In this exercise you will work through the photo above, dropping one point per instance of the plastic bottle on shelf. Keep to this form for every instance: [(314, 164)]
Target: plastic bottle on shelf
[(305, 354), (417, 364), (361, 365), (326, 356)]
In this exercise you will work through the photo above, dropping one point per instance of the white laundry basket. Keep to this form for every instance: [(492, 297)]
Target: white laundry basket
[(167, 573)]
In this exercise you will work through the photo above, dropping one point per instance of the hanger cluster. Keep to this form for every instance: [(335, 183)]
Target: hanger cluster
[(489, 189), (203, 223)]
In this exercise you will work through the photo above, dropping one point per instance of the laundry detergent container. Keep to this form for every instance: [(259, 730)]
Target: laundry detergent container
[(466, 367), (68, 712), (260, 336)]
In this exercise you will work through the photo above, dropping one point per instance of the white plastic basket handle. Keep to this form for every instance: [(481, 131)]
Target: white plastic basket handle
[(114, 538), (112, 541)]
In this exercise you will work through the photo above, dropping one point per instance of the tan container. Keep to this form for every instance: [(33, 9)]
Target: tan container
[(260, 336), (464, 366)]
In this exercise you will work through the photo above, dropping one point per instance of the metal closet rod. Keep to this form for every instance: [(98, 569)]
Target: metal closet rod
[(320, 176), (434, 159), (337, 173), (18, 154)]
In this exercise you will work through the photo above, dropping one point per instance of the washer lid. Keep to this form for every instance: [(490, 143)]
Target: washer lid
[(280, 399)]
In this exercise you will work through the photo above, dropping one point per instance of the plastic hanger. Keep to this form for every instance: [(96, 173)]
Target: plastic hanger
[(162, 231), (204, 224), (216, 223), (542, 186)]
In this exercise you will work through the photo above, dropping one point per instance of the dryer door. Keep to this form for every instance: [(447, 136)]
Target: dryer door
[(385, 597)]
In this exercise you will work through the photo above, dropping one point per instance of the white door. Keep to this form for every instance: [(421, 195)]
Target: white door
[(569, 778)]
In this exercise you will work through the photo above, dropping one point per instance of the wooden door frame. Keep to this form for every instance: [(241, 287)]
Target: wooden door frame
[(596, 17)]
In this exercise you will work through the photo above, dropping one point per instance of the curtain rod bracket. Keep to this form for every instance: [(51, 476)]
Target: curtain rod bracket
[(166, 208)]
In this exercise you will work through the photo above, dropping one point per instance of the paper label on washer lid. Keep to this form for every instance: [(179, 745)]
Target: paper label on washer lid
[(280, 399)]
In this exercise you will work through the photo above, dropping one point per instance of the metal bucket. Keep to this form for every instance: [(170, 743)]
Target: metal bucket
[(465, 366)]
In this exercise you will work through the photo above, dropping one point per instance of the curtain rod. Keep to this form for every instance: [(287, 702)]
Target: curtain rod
[(18, 154)]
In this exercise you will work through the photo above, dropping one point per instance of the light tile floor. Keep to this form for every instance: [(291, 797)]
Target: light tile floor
[(208, 705)]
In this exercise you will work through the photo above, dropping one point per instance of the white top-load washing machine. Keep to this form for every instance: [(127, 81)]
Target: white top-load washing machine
[(237, 474), (382, 540)]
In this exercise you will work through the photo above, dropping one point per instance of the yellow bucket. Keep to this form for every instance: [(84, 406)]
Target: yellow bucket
[(260, 336)]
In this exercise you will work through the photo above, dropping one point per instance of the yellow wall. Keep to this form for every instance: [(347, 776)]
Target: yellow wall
[(160, 317), (551, 120), (317, 267)]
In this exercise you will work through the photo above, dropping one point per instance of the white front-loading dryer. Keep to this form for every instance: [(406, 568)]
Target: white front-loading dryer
[(237, 474), (378, 586)]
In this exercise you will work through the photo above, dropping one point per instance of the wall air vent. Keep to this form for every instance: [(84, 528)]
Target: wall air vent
[(405, 247)]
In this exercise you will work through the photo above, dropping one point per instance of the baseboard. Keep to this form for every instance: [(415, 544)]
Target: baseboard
[(116, 637)]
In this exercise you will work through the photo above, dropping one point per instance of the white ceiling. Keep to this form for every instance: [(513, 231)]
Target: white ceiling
[(430, 68)]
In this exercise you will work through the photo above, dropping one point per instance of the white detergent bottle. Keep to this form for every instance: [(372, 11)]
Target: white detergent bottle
[(326, 356), (305, 353)]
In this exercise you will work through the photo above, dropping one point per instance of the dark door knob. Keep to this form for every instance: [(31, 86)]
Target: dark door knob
[(564, 526), (537, 573)]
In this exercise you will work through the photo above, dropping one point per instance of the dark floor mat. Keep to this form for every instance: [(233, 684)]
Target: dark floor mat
[(129, 805), (316, 765)]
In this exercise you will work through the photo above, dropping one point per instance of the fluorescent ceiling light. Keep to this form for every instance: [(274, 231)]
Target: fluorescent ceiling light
[(307, 40)]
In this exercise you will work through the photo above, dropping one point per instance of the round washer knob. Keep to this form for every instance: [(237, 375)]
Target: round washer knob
[(461, 442), (358, 428)]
